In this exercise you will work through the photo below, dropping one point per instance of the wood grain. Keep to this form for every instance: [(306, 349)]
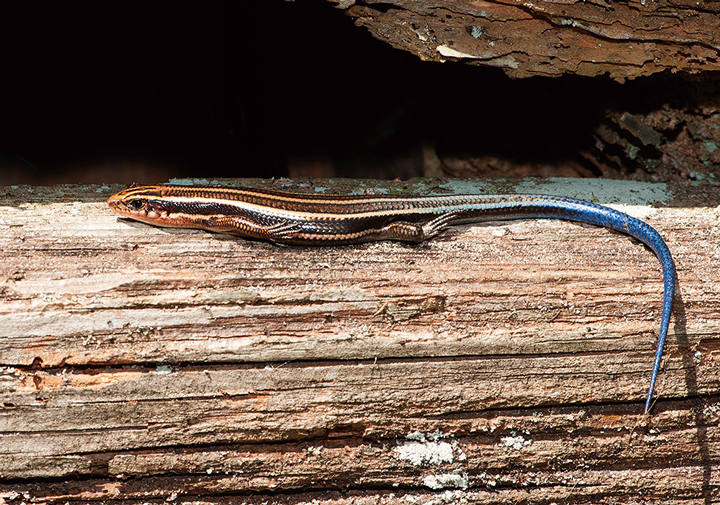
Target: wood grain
[(550, 38), (141, 363)]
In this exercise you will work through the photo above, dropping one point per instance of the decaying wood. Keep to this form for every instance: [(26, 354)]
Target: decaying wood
[(496, 363), (551, 38)]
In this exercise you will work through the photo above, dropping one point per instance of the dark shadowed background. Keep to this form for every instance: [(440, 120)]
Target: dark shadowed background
[(140, 92)]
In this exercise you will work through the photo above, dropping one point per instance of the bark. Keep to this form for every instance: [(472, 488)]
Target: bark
[(550, 38), (496, 363)]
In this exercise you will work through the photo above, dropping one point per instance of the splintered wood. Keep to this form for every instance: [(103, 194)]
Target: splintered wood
[(496, 363), (622, 40)]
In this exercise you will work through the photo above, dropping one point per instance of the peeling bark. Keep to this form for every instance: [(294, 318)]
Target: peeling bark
[(623, 40)]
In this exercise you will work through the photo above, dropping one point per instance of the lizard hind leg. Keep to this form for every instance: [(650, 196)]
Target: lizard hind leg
[(401, 230), (437, 225), (413, 232)]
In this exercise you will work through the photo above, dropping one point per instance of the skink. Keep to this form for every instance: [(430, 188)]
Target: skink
[(315, 219)]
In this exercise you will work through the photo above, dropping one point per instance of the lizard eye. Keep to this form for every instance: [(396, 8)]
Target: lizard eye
[(136, 204)]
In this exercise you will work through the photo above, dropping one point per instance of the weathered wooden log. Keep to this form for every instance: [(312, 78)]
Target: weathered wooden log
[(503, 362), (550, 38)]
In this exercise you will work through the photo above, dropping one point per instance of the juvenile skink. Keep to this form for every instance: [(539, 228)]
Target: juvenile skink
[(315, 219)]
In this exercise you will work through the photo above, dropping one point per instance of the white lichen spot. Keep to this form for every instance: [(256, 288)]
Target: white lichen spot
[(424, 453), (416, 435), (477, 31), (515, 441), (458, 480)]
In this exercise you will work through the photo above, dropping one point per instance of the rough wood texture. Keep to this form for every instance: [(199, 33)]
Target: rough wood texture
[(503, 363), (551, 38)]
